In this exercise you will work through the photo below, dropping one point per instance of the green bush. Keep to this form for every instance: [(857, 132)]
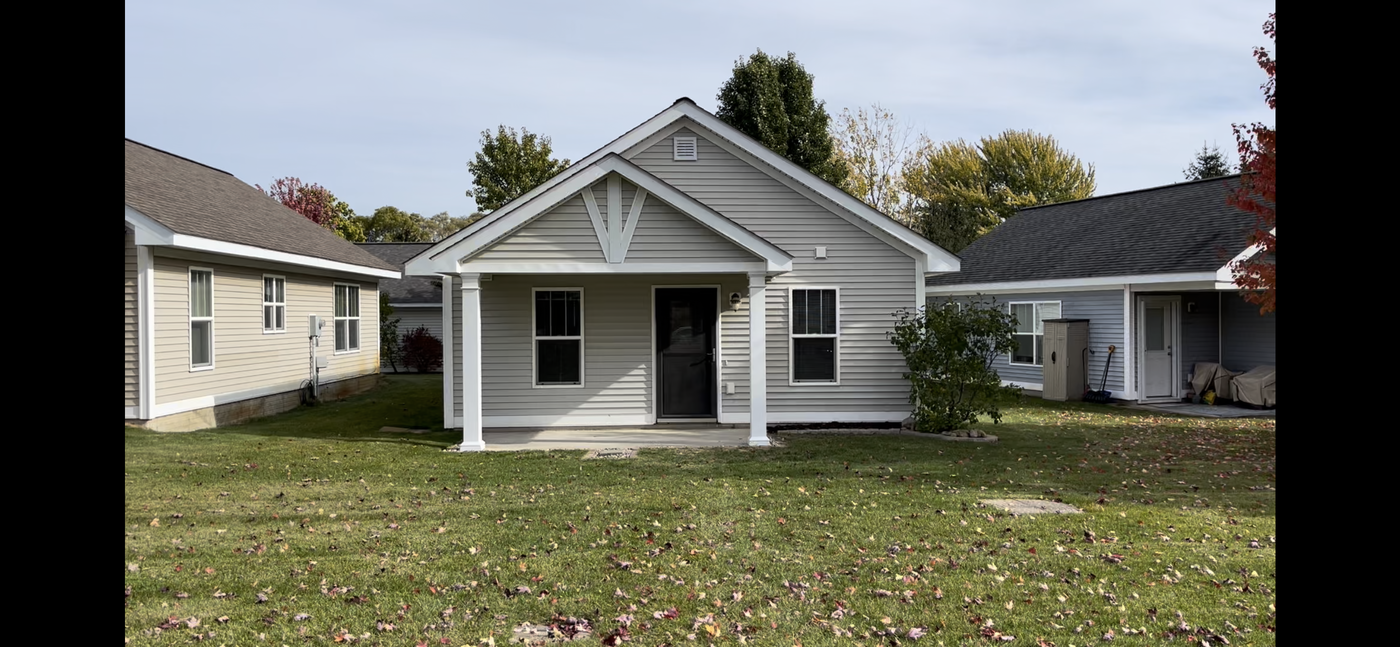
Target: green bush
[(949, 348)]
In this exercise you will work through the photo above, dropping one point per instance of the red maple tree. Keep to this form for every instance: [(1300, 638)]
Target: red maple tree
[(310, 200), (1256, 274)]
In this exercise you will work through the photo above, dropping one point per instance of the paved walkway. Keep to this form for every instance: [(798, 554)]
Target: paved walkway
[(1207, 410), (610, 438)]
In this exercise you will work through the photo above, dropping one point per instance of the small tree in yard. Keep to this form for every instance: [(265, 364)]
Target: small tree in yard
[(388, 333), (949, 348), (422, 351)]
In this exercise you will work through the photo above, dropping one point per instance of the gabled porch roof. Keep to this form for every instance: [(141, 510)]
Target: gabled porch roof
[(613, 236)]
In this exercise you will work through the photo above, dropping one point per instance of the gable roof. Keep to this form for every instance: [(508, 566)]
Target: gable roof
[(489, 230), (836, 200), (409, 289), (1178, 228), (177, 197)]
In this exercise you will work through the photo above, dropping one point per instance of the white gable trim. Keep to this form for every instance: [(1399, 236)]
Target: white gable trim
[(936, 259), (1227, 272), (879, 225), (150, 232), (590, 203), (770, 257)]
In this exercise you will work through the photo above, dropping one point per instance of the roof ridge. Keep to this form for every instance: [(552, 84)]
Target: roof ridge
[(1120, 193), (166, 152)]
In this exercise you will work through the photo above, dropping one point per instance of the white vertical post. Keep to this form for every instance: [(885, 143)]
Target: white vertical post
[(449, 365), (758, 360), (614, 218), (471, 364), (146, 328)]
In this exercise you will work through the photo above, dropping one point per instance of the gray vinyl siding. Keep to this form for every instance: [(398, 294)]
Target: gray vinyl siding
[(245, 358), (411, 318), (617, 346), (564, 234), (133, 335), (1200, 338), (875, 279), (1103, 309), (1249, 340), (666, 235)]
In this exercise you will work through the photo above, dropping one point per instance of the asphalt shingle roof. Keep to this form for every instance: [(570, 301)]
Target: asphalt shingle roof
[(409, 289), (198, 200), (1186, 227)]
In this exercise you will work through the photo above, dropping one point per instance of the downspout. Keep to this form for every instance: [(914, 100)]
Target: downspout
[(1219, 328)]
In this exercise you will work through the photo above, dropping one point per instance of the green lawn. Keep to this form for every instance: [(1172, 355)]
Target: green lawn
[(314, 528)]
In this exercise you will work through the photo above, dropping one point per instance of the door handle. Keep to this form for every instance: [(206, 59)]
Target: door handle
[(709, 357)]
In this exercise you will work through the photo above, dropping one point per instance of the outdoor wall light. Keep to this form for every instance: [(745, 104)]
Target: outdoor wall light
[(735, 298)]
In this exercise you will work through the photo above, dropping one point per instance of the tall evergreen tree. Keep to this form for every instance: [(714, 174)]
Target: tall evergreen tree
[(1209, 163), (771, 99)]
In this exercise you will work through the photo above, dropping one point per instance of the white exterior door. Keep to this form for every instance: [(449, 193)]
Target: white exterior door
[(1157, 332)]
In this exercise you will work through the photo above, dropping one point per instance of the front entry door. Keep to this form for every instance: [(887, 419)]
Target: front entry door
[(685, 348), (1158, 348)]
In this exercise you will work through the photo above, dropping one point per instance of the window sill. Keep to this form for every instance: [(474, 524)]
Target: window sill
[(1011, 363), (200, 369), (797, 383), (275, 332), (346, 352), (558, 386)]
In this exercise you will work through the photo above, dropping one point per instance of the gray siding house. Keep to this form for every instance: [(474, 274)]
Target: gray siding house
[(221, 282), (681, 273), (1149, 269), (416, 300)]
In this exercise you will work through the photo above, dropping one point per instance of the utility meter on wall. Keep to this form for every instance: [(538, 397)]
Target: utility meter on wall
[(314, 325)]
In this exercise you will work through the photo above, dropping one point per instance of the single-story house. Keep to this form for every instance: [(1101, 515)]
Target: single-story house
[(683, 272), (221, 284), (1150, 270), (416, 300)]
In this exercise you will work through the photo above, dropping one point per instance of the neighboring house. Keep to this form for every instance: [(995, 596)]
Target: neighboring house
[(1150, 271), (416, 300), (683, 272), (220, 283)]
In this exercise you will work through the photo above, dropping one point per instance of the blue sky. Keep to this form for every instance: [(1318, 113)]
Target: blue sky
[(384, 103)]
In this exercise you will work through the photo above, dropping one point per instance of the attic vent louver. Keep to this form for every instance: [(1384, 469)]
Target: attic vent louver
[(684, 149)]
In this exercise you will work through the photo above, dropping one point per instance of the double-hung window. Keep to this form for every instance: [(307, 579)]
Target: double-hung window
[(274, 304), (201, 319), (347, 318), (815, 336), (558, 336), (1030, 330)]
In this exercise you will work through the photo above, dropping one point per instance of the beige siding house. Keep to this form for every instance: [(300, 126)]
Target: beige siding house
[(682, 273), (222, 283)]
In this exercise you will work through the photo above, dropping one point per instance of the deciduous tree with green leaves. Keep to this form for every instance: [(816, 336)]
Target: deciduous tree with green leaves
[(508, 165), (389, 348), (1209, 163), (960, 190), (771, 99), (442, 225), (393, 225)]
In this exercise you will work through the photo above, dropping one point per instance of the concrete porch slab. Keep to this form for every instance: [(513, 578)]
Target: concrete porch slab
[(1206, 410), (614, 437)]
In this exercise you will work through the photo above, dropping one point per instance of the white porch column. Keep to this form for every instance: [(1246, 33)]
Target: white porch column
[(758, 360), (471, 363)]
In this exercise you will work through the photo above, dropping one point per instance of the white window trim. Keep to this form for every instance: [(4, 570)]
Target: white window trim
[(360, 318), (535, 338), (1041, 334), (189, 328), (792, 345), (283, 304)]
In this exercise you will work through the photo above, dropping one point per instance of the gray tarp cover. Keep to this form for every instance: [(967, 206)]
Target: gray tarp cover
[(1255, 387), (1209, 376)]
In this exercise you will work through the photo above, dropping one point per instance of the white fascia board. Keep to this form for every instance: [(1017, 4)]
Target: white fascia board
[(771, 257), (1051, 285), (150, 232), (415, 305), (499, 267), (937, 258)]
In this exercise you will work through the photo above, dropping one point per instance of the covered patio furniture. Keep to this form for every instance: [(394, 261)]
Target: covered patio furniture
[(1209, 376), (1255, 387)]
